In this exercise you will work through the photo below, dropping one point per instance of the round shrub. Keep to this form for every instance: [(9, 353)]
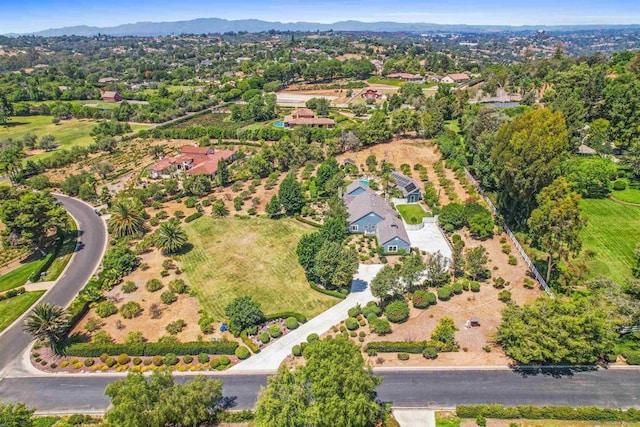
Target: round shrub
[(187, 359), (154, 285), (371, 308), (123, 359), (158, 360), (380, 326), (457, 288), (130, 310), (170, 359), (444, 293), (474, 286), (147, 362), (129, 287), (242, 352), (224, 361), (203, 358), (297, 350), (403, 356), (53, 365), (110, 362), (423, 299), (430, 352), (88, 362), (168, 297), (106, 309), (397, 311), (620, 185), (264, 338), (214, 363), (312, 337), (354, 311), (351, 323), (178, 286), (136, 361), (504, 296), (513, 260), (274, 331), (103, 357), (291, 323)]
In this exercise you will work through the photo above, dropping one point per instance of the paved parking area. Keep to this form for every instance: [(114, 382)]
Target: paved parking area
[(430, 239)]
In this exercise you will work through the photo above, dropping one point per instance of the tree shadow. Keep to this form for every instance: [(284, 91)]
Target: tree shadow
[(358, 285), (228, 402), (559, 371), (185, 249)]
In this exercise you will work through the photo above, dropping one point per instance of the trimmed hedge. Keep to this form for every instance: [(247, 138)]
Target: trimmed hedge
[(151, 348), (308, 222), (326, 291), (397, 311), (423, 299), (193, 217), (235, 416), (415, 347), (12, 293), (547, 413), (249, 342), (242, 353), (285, 314)]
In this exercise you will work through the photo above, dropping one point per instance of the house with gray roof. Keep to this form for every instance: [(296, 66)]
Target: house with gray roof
[(368, 213), (408, 186)]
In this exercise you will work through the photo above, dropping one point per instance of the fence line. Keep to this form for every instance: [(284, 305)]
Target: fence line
[(519, 248)]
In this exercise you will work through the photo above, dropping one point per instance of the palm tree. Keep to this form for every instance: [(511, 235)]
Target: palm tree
[(126, 218), (170, 237), (219, 210), (48, 322)]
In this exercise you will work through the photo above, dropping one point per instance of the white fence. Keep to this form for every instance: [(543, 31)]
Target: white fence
[(521, 251)]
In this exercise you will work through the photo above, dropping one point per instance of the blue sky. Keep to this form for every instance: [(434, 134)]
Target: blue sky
[(21, 16)]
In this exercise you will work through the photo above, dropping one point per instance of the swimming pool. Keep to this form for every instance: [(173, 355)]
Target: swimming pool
[(279, 124), (365, 182)]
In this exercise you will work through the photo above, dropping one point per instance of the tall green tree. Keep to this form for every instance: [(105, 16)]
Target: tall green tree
[(6, 110), (48, 322), (335, 265), (11, 161), (556, 222), (290, 195), (307, 249), (526, 157), (411, 270), (386, 284), (274, 207), (222, 175), (331, 389), (126, 218), (242, 313)]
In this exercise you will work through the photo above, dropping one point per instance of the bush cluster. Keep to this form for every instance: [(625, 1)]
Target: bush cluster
[(351, 323), (249, 342), (193, 217), (397, 311), (423, 299), (285, 314), (547, 413), (151, 348), (154, 285)]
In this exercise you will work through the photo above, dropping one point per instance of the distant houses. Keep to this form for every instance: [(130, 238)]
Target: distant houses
[(407, 77), (191, 161), (368, 213), (305, 116), (456, 78), (111, 96)]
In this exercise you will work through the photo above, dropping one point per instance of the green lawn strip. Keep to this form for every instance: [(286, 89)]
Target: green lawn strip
[(412, 214), (235, 257), (612, 232), (380, 81), (65, 253), (13, 308), (630, 195), (19, 276)]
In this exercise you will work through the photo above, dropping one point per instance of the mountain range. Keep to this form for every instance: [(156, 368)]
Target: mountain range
[(217, 25)]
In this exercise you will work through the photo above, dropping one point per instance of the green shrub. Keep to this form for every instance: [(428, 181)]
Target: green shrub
[(123, 359), (351, 323), (249, 342), (264, 337), (354, 311), (312, 338), (403, 356), (252, 330), (170, 359), (457, 287), (151, 348), (380, 326), (474, 286), (291, 323), (242, 353), (130, 310), (110, 362), (423, 299), (321, 290), (297, 350), (168, 297), (136, 361), (371, 309), (274, 331), (88, 362), (176, 327), (620, 185), (178, 286), (430, 352), (397, 311), (284, 314), (106, 309), (504, 296), (632, 356), (203, 358), (129, 287), (154, 285), (188, 359), (444, 293), (193, 216), (214, 363), (224, 361), (513, 260)]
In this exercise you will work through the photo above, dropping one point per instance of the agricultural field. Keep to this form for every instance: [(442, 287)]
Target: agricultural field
[(13, 308), (235, 257), (612, 232)]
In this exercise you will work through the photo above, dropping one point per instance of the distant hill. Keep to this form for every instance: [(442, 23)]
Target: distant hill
[(217, 25)]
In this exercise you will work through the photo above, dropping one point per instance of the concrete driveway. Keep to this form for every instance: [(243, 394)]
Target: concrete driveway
[(430, 238), (272, 356)]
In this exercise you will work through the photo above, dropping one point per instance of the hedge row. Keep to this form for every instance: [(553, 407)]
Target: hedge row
[(326, 291), (12, 293), (152, 349), (193, 217), (249, 343), (415, 347), (547, 413), (78, 308), (284, 314), (308, 221), (235, 416)]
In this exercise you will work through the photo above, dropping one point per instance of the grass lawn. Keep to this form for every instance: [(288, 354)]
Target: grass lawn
[(235, 257), (630, 195), (613, 231), (19, 276), (68, 133), (13, 308), (412, 214), (66, 251), (397, 82)]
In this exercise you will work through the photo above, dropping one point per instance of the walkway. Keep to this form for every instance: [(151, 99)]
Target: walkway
[(272, 356)]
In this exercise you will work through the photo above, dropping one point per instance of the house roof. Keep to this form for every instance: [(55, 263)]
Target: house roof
[(163, 164), (210, 165), (109, 94), (405, 184), (391, 228), (585, 149), (190, 149), (303, 112), (459, 76)]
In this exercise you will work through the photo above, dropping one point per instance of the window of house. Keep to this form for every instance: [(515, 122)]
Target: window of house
[(353, 227), (392, 248)]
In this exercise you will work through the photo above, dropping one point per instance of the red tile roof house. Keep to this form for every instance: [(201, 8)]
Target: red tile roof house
[(111, 96), (304, 116), (407, 77), (455, 78), (192, 161), (371, 94)]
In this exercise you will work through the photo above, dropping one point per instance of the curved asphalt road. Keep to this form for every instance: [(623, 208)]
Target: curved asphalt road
[(93, 237), (614, 388)]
